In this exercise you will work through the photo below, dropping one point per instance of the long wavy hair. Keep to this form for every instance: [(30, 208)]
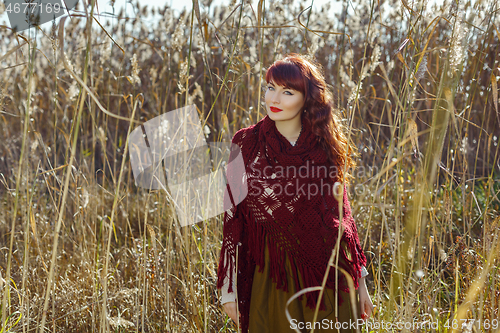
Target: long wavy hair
[(304, 74)]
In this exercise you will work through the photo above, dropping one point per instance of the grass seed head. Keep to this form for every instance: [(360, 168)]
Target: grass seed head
[(422, 68), (135, 70), (457, 48), (374, 61)]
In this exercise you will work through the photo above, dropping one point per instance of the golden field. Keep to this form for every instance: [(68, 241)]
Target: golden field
[(82, 249)]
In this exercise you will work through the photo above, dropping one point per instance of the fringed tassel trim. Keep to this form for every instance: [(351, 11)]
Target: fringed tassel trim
[(277, 260), (257, 242), (227, 264)]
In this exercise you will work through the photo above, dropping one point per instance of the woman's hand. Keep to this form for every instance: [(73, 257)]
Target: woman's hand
[(364, 300), (230, 309)]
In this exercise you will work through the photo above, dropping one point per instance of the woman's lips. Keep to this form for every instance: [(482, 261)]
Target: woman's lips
[(273, 109)]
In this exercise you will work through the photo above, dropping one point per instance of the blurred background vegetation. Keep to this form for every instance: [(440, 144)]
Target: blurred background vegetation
[(82, 249)]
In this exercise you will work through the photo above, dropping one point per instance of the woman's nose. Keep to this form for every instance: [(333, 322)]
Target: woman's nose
[(275, 98)]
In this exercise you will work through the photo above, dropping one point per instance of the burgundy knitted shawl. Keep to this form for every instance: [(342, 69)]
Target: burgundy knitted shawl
[(284, 192)]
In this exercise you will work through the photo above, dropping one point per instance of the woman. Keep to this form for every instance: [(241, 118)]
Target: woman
[(284, 218)]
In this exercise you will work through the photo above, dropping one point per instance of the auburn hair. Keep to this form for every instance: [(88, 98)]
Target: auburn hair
[(304, 74)]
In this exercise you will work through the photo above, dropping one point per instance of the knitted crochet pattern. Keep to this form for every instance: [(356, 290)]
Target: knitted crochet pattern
[(286, 193)]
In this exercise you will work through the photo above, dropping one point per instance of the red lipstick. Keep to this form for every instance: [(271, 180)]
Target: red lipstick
[(273, 109)]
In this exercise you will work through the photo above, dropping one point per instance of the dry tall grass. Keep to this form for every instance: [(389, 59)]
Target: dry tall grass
[(84, 250)]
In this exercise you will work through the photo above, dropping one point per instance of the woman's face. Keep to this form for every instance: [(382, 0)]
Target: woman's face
[(283, 103)]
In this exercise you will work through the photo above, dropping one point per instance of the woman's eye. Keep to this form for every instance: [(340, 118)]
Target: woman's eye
[(272, 88)]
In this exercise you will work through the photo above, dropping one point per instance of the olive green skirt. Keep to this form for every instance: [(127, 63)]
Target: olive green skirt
[(267, 307)]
